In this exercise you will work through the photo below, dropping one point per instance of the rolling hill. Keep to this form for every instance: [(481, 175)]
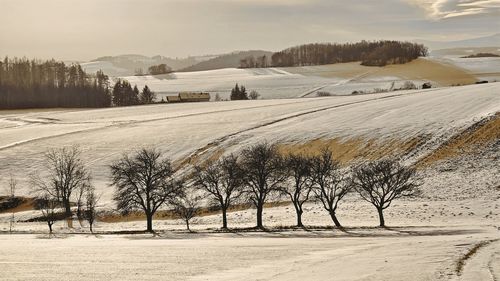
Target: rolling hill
[(423, 126), (231, 60)]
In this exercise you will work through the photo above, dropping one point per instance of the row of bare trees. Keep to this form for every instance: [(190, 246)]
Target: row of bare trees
[(261, 173), (146, 181)]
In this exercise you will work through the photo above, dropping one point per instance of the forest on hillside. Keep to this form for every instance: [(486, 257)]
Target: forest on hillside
[(34, 83), (376, 53)]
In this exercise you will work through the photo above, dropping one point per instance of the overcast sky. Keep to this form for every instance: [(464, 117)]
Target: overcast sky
[(86, 29)]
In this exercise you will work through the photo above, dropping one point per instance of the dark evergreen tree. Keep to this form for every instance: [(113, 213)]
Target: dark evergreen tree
[(147, 96), (238, 93)]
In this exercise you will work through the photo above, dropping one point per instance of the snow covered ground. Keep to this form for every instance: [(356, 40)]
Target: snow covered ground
[(429, 238), (291, 82), (183, 130), (269, 82), (373, 255), (487, 68)]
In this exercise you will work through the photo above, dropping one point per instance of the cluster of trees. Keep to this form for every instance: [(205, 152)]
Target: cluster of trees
[(65, 180), (124, 94), (254, 62), (159, 69), (37, 84), (42, 84), (240, 93), (376, 53), (146, 181)]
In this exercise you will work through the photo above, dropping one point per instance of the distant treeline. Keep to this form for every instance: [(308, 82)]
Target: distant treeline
[(377, 53), (34, 83), (481, 55)]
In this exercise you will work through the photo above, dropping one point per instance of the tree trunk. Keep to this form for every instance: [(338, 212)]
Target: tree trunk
[(335, 220), (68, 214), (224, 218), (187, 225), (381, 217), (299, 216), (149, 218), (50, 227), (260, 208), (91, 231)]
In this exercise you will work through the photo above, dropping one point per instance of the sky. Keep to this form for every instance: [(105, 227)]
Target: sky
[(86, 29)]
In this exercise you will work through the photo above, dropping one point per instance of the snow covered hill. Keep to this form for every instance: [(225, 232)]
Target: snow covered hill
[(306, 81), (411, 123)]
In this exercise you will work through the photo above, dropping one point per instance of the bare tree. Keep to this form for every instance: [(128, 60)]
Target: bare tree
[(254, 95), (330, 183), (187, 206), (299, 174), (66, 174), (12, 193), (381, 182), (90, 212), (48, 206), (12, 185), (222, 180), (264, 172), (80, 214), (144, 182), (12, 220)]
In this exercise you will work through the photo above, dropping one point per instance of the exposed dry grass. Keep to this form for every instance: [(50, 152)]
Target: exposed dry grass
[(170, 215), (469, 141), (419, 69), (347, 150), (26, 204), (424, 69)]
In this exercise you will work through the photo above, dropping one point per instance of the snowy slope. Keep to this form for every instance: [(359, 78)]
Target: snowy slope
[(306, 81), (487, 68), (269, 82), (182, 130)]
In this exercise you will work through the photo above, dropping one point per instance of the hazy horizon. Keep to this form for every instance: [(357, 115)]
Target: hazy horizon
[(85, 30)]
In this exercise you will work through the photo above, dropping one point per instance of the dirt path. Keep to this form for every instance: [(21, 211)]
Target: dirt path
[(484, 264)]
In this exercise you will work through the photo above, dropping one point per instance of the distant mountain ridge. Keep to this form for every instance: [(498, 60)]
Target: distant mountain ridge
[(129, 64)]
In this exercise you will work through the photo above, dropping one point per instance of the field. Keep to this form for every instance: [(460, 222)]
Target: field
[(451, 232), (306, 81), (380, 255)]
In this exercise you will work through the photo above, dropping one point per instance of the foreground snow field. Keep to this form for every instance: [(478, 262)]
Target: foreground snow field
[(411, 253)]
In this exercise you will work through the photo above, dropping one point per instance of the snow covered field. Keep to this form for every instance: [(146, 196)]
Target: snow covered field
[(186, 130), (427, 239), (487, 68), (428, 254), (306, 81)]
